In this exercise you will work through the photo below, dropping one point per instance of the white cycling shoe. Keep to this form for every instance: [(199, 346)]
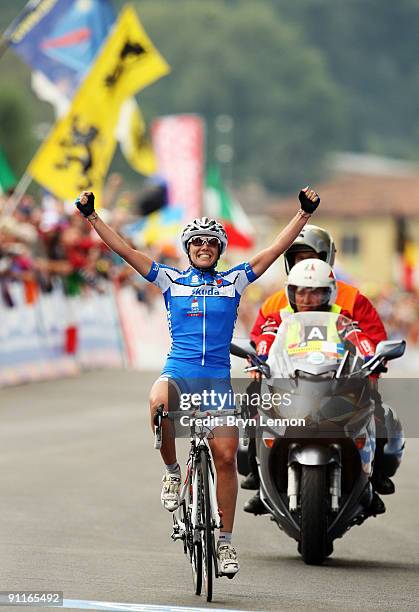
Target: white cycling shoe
[(227, 560), (170, 491)]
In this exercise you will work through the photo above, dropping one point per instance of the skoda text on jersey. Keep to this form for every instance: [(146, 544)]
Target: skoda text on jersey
[(202, 311)]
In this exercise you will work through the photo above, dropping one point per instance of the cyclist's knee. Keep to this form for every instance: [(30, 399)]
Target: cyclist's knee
[(226, 463), (164, 394), (224, 456), (156, 401), (158, 397)]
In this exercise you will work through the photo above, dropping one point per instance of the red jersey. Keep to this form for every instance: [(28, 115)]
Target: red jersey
[(354, 306)]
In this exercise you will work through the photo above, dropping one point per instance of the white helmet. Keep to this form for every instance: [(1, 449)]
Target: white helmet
[(315, 238), (204, 227), (312, 273)]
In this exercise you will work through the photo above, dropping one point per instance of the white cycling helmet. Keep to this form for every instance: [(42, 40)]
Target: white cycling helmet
[(312, 273), (314, 238), (204, 227)]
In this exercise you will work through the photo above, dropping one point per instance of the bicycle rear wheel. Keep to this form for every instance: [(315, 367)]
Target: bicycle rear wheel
[(207, 532)]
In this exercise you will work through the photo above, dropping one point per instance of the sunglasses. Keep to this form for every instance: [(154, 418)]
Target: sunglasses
[(199, 241)]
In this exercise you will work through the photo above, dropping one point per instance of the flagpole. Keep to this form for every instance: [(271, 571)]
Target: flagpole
[(14, 200), (5, 40), (4, 45)]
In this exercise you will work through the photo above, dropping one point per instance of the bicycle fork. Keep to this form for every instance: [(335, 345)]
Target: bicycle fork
[(215, 512), (195, 514)]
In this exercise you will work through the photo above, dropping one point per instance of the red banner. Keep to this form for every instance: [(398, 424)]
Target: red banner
[(178, 142)]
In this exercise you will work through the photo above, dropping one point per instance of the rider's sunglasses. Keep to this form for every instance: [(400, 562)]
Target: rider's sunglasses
[(200, 241)]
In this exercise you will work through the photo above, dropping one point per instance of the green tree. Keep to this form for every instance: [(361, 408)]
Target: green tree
[(240, 59), (371, 53)]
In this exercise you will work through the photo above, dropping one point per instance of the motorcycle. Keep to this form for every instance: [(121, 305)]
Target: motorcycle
[(315, 431)]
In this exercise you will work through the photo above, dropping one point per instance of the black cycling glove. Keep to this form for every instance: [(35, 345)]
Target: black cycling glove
[(88, 208), (306, 204)]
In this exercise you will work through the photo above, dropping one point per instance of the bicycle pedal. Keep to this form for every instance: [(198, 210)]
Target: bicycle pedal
[(176, 534)]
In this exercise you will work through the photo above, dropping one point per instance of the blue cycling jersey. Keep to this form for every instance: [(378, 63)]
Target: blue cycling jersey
[(201, 311)]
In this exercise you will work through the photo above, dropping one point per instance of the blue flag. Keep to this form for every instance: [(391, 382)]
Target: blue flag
[(61, 38)]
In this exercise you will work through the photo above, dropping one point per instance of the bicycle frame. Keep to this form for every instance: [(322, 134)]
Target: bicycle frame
[(193, 475)]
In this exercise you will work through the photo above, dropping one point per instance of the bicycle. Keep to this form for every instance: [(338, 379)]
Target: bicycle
[(197, 516)]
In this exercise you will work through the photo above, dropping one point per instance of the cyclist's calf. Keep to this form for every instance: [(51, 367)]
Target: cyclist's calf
[(224, 452)]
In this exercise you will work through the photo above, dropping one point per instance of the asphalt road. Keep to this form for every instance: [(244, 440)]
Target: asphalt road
[(80, 513)]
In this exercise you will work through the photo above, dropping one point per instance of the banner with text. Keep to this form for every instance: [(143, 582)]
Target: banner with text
[(178, 143)]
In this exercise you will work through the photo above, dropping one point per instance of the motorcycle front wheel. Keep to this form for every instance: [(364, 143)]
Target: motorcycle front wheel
[(314, 548)]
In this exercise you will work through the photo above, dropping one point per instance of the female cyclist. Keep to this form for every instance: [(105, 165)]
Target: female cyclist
[(202, 308)]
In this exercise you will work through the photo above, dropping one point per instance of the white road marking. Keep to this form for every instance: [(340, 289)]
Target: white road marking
[(81, 604)]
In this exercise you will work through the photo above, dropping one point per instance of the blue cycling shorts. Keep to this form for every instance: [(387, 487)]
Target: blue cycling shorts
[(200, 387)]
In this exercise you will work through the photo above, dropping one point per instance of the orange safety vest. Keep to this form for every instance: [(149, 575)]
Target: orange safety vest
[(345, 298)]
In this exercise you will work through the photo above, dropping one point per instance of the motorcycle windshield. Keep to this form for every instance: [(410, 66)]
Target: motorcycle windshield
[(313, 342)]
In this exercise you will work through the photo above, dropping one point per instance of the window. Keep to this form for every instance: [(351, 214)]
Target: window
[(350, 244)]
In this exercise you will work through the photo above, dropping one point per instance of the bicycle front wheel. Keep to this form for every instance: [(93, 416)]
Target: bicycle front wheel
[(194, 544), (207, 533), (196, 560)]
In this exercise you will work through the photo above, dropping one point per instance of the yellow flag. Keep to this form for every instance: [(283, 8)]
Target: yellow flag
[(77, 154), (410, 253), (131, 134)]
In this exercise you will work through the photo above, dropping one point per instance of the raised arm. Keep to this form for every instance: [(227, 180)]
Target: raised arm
[(138, 260), (309, 201)]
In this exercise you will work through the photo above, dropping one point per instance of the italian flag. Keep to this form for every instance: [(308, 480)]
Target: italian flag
[(7, 178), (220, 205)]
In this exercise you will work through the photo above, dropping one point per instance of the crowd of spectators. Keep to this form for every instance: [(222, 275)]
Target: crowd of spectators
[(400, 313), (50, 245), (43, 247)]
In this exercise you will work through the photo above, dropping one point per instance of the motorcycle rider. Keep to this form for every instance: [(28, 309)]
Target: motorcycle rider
[(313, 241), (354, 305)]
